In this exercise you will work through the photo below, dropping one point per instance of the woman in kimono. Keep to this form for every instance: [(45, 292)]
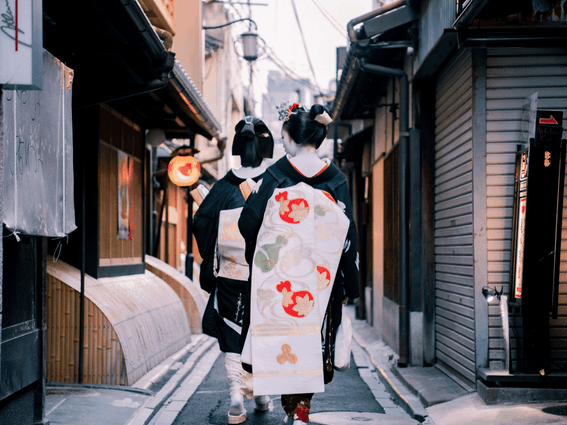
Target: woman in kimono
[(224, 271), (302, 247)]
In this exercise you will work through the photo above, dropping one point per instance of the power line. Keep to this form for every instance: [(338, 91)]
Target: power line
[(305, 45), (329, 14), (291, 76), (271, 55), (329, 18)]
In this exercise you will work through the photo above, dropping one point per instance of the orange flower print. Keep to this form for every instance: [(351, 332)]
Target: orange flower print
[(323, 278), (295, 303), (292, 210)]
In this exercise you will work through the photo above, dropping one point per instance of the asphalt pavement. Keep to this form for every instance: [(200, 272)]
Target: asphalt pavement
[(353, 397)]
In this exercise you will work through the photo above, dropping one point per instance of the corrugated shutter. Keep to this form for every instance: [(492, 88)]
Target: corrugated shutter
[(513, 74), (454, 329)]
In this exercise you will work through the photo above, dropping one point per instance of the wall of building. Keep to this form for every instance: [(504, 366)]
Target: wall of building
[(435, 16), (117, 133), (377, 198), (454, 279), (188, 40), (512, 75)]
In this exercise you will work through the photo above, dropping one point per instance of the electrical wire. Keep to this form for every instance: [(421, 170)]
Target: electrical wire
[(329, 18), (292, 77), (230, 23), (330, 15), (272, 56), (305, 45)]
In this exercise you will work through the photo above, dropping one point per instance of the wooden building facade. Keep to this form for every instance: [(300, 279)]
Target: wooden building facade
[(468, 69)]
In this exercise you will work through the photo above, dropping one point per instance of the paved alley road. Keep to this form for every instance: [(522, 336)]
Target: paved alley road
[(348, 399)]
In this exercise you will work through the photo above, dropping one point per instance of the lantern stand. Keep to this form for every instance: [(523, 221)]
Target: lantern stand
[(189, 257)]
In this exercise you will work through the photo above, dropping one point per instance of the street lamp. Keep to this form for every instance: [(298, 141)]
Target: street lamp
[(249, 39), (250, 45)]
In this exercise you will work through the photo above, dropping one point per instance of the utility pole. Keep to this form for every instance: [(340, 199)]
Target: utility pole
[(252, 102)]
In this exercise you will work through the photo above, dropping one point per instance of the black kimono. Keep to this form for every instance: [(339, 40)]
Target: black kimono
[(283, 174), (224, 274)]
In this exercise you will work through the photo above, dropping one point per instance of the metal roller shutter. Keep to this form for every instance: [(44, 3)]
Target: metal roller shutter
[(513, 74), (454, 329)]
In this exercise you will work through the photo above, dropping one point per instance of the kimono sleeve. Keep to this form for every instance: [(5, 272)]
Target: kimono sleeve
[(205, 231), (349, 264), (252, 216)]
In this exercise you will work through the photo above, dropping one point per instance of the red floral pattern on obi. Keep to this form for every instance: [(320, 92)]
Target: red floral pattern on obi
[(323, 278), (328, 195), (292, 210), (295, 303)]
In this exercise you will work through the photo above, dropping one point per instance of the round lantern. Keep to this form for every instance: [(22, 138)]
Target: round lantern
[(184, 170)]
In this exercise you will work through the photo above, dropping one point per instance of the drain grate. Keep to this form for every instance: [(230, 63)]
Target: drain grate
[(69, 391), (556, 410)]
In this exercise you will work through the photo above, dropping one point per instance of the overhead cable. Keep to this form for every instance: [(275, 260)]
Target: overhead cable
[(329, 18), (305, 45)]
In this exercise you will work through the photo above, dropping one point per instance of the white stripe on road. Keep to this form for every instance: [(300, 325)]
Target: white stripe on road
[(56, 406), (174, 404)]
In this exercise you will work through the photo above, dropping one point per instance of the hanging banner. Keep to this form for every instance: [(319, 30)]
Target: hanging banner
[(38, 154), (21, 44), (124, 178)]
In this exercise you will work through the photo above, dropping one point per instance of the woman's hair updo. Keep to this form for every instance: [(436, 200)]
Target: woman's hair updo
[(307, 127), (253, 141)]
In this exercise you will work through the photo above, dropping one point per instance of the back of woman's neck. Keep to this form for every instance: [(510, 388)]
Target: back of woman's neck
[(307, 162), (248, 172)]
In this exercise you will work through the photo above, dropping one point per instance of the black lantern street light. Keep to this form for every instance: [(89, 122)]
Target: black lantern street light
[(249, 39), (250, 45)]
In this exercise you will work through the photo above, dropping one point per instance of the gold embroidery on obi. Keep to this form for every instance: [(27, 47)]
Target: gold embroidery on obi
[(304, 305), (230, 247), (299, 211), (286, 355), (287, 297), (231, 232), (231, 269)]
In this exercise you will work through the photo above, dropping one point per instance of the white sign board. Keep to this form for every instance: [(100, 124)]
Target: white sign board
[(529, 108), (21, 44), (37, 139)]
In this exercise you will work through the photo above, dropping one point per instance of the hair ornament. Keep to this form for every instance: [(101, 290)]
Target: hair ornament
[(323, 118), (284, 111)]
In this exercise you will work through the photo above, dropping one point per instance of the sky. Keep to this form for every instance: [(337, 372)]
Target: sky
[(277, 25)]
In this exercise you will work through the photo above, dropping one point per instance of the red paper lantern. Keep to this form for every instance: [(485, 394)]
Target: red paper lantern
[(184, 170)]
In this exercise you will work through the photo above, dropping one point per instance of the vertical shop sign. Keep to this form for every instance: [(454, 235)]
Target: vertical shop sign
[(521, 226), (123, 194), (21, 44)]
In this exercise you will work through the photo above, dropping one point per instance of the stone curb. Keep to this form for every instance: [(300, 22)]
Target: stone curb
[(158, 372), (379, 353), (153, 404), (409, 402)]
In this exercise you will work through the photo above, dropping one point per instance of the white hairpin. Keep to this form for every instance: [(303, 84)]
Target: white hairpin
[(324, 118)]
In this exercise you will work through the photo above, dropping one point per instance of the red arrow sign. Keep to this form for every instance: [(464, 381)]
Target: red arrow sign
[(549, 120)]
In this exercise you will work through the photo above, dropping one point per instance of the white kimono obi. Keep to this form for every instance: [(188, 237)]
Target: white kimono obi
[(231, 247), (297, 255)]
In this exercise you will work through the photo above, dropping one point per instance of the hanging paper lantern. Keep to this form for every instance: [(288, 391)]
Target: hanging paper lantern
[(184, 170)]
